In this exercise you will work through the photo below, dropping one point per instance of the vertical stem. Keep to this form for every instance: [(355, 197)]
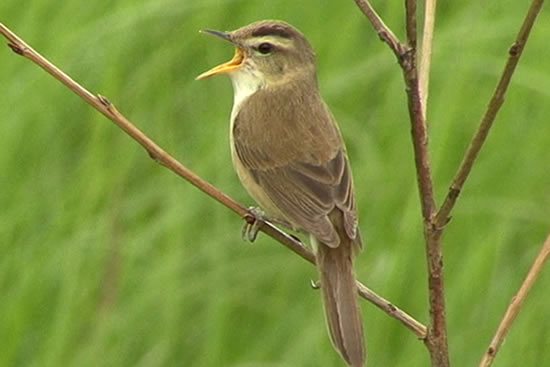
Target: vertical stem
[(436, 340), (419, 130), (410, 14), (437, 333), (426, 54)]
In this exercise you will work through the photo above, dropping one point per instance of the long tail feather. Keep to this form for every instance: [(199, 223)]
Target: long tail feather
[(340, 300)]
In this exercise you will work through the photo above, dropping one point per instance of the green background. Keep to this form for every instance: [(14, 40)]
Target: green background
[(108, 259)]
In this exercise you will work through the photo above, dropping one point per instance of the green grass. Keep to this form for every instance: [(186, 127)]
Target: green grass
[(107, 259)]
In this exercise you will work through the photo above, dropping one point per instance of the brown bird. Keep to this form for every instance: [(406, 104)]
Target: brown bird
[(289, 155)]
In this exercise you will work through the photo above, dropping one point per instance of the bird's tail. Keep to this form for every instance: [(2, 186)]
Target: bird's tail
[(340, 300)]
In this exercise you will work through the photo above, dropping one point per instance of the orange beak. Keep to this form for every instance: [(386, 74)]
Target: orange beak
[(227, 67), (235, 63)]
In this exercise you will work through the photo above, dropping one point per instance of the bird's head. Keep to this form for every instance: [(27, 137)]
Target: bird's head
[(270, 52)]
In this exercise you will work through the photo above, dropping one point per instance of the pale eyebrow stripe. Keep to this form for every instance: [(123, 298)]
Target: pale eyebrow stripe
[(277, 41)]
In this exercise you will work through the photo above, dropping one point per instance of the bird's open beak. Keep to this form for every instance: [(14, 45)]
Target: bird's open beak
[(229, 66)]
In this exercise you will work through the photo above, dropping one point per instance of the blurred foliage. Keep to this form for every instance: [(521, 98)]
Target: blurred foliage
[(107, 259)]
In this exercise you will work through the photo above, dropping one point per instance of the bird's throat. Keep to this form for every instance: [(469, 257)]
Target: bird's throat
[(246, 82)]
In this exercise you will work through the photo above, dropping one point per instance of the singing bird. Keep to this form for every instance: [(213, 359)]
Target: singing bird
[(289, 155)]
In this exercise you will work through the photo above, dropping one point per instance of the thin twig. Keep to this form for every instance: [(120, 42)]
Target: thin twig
[(426, 54), (101, 104), (493, 108), (515, 305), (390, 309), (383, 31)]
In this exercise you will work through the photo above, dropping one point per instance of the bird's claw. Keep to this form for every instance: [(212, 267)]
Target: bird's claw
[(253, 222), (315, 284)]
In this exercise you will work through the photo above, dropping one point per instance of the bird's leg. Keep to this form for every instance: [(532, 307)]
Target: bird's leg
[(254, 221)]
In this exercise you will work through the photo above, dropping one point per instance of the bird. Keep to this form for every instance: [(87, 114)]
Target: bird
[(289, 154)]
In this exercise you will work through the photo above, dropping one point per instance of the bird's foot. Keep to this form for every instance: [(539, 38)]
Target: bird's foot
[(253, 221)]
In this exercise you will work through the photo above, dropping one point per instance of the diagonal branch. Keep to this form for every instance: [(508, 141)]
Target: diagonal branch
[(101, 104), (496, 102), (515, 305)]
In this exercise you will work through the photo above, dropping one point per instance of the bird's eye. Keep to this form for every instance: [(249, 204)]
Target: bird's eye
[(265, 48)]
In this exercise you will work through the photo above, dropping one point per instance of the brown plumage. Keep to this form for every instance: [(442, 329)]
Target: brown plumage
[(290, 156)]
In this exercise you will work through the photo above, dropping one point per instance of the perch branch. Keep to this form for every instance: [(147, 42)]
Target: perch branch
[(514, 54), (515, 305), (101, 104)]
